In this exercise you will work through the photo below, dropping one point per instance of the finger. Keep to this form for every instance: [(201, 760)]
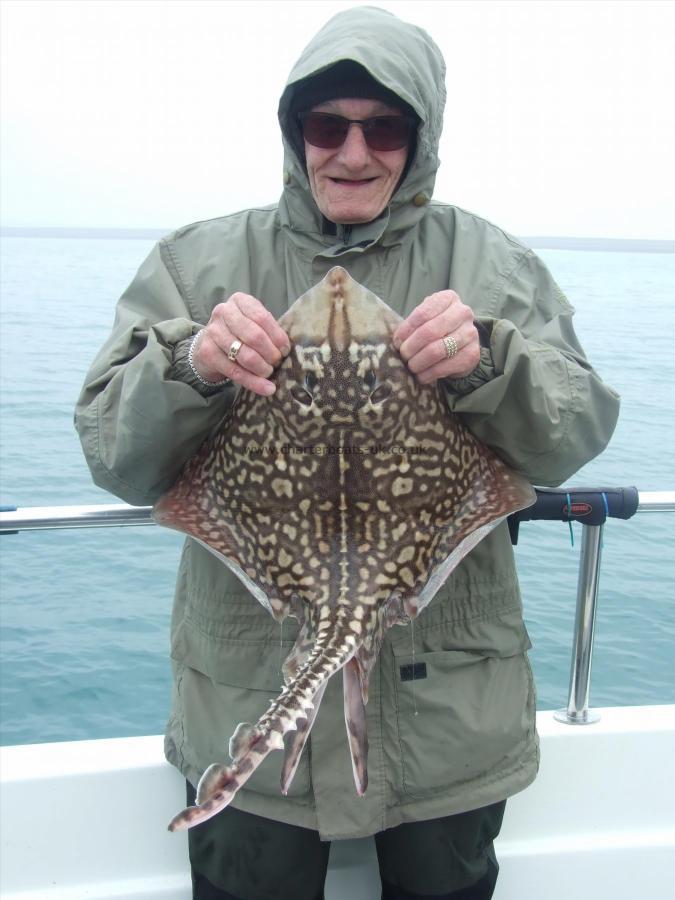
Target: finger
[(450, 321), (212, 355), (246, 358), (250, 381), (255, 311), (436, 351), (458, 367), (216, 361), (237, 324), (428, 309)]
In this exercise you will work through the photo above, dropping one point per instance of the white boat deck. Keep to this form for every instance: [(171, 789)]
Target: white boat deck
[(88, 819)]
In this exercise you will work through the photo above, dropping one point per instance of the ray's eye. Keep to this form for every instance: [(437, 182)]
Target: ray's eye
[(302, 396), (311, 381), (380, 393), (305, 393)]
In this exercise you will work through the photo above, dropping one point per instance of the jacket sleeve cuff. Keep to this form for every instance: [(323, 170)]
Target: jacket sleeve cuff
[(485, 370), (181, 370)]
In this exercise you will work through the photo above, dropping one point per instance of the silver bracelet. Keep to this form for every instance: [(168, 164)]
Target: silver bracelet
[(193, 344)]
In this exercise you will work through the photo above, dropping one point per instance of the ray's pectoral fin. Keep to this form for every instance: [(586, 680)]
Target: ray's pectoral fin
[(355, 720)]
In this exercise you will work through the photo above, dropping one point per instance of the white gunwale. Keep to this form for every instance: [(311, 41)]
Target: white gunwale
[(87, 819)]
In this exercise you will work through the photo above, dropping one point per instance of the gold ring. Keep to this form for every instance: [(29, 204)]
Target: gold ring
[(451, 347), (235, 347)]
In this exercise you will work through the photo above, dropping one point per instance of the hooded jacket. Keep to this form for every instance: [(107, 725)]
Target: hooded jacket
[(463, 735)]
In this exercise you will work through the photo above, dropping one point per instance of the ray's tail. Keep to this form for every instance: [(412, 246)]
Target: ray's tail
[(292, 710)]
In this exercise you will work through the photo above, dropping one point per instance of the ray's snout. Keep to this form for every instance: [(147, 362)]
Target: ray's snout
[(338, 278)]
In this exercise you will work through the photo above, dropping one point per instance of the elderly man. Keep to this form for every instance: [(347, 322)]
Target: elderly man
[(361, 119)]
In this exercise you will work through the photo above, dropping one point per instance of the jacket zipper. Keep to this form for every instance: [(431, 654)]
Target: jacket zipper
[(346, 237)]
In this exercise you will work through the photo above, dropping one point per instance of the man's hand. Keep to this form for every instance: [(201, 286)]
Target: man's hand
[(419, 339), (263, 344)]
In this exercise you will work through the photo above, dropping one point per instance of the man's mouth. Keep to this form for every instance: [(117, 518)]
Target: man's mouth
[(352, 182)]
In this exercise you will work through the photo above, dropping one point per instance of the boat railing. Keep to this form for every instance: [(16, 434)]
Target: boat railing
[(589, 506)]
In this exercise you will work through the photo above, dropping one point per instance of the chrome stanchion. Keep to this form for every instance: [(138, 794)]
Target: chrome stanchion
[(41, 518), (577, 712)]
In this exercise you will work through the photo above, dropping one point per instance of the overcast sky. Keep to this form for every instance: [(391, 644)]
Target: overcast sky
[(155, 113)]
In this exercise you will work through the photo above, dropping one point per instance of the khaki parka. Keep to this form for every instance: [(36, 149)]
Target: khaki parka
[(464, 735)]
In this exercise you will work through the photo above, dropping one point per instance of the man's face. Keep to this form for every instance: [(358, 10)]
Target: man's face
[(353, 183)]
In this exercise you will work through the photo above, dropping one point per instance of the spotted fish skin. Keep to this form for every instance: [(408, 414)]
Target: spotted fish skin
[(345, 500), (334, 646)]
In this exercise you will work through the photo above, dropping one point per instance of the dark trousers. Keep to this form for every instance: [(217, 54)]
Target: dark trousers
[(239, 856)]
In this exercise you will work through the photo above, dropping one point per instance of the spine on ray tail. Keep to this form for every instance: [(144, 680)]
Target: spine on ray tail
[(337, 639)]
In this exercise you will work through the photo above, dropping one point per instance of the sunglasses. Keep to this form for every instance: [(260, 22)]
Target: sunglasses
[(328, 132)]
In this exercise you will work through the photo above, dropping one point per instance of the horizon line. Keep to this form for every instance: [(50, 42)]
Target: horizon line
[(551, 242)]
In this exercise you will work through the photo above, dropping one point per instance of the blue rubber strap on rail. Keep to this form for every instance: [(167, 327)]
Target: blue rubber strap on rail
[(569, 517)]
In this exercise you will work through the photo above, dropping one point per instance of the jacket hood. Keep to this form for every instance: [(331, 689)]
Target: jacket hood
[(405, 60)]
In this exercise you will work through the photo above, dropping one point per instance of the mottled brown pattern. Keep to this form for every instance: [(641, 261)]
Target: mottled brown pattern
[(344, 500)]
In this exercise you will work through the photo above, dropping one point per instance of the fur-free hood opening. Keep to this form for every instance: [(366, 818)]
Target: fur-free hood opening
[(405, 61)]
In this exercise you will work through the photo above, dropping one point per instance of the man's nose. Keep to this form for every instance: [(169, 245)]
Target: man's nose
[(354, 152)]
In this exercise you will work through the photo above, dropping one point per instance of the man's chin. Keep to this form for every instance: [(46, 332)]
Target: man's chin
[(351, 215)]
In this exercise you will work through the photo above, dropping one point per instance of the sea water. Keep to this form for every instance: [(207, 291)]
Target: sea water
[(85, 614)]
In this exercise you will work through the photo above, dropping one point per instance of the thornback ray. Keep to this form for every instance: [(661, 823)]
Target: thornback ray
[(344, 500)]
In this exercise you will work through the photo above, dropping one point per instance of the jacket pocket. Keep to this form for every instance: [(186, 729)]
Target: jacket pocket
[(224, 683), (459, 716)]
